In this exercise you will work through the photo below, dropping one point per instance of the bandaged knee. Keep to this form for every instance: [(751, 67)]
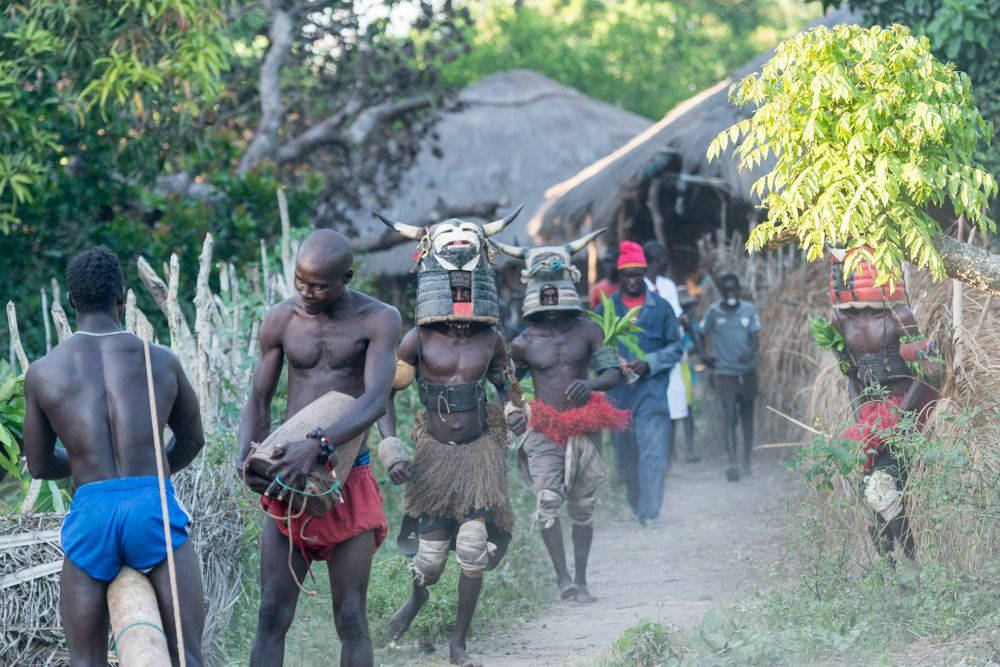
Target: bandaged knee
[(581, 510), (472, 548), (392, 451), (429, 562), (547, 507), (882, 495)]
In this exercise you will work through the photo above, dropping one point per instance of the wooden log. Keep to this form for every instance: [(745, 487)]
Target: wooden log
[(319, 414), (135, 621)]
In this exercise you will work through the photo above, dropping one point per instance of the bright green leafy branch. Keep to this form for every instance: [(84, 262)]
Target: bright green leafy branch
[(868, 129), (618, 330)]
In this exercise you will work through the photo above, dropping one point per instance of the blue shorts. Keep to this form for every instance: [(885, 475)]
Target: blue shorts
[(118, 522)]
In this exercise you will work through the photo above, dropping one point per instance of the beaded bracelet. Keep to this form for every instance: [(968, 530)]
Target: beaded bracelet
[(326, 445)]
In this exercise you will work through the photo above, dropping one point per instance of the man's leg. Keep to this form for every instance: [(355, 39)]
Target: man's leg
[(581, 511), (651, 429), (350, 567), (83, 605), (746, 420), (428, 565), (547, 468), (471, 554), (552, 537), (191, 598), (627, 462), (727, 397), (692, 456), (279, 593)]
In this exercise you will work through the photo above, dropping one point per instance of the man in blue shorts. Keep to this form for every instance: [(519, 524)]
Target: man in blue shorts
[(90, 392)]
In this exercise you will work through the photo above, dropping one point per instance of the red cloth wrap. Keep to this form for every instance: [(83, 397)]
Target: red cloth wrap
[(594, 415), (874, 418), (317, 536)]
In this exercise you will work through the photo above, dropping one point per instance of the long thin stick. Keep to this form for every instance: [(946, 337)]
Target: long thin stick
[(161, 478), (795, 421)]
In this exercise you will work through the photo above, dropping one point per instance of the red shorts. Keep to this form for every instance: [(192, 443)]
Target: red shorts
[(317, 536)]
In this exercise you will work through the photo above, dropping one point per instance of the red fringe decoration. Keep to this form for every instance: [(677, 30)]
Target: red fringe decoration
[(595, 415), (874, 419)]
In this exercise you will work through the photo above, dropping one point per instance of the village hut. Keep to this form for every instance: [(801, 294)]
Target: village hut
[(660, 184), (508, 138)]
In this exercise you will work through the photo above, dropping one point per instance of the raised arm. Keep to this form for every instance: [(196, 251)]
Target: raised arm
[(255, 422), (44, 460), (184, 421)]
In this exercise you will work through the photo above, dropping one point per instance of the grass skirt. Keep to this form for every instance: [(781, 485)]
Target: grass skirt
[(453, 480)]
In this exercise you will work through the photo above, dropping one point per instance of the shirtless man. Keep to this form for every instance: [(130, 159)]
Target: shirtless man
[(457, 489), (90, 392), (335, 339), (880, 335), (558, 348)]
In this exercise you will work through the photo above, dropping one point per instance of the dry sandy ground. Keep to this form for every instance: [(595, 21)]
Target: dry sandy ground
[(708, 549)]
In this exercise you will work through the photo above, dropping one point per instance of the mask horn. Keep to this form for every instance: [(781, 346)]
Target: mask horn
[(507, 249), (581, 243), (408, 231), (491, 228)]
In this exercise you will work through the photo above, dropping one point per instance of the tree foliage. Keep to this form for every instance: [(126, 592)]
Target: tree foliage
[(965, 32), (73, 74), (868, 129), (643, 55)]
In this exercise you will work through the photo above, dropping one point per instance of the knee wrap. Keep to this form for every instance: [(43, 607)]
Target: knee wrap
[(547, 507), (882, 495), (472, 548), (581, 510), (430, 560)]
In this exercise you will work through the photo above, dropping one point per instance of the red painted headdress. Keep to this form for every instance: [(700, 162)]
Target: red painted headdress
[(858, 290)]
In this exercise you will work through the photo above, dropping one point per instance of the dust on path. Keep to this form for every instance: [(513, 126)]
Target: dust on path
[(713, 540)]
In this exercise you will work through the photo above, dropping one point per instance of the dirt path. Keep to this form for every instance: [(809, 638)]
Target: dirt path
[(705, 551)]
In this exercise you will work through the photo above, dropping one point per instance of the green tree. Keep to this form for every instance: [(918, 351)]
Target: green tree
[(966, 32), (643, 55), (74, 74), (868, 130)]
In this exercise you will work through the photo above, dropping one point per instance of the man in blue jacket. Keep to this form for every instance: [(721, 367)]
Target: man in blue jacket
[(642, 451)]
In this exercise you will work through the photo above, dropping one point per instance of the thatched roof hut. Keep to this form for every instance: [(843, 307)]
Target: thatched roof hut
[(511, 136), (660, 184)]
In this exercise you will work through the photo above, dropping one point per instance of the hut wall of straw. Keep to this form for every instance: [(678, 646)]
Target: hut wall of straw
[(216, 354)]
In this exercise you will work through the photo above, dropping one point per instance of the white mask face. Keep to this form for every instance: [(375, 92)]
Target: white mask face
[(732, 301)]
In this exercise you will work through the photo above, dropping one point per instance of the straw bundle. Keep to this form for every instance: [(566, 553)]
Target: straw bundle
[(30, 562)]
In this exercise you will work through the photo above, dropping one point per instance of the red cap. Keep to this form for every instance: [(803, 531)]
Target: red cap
[(630, 255)]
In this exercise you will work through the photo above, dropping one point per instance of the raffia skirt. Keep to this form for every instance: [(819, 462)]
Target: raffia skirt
[(451, 481)]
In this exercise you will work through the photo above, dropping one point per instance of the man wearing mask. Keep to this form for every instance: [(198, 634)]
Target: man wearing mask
[(734, 327), (640, 453)]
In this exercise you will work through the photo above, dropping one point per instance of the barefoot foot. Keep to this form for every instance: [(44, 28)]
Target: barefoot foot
[(400, 621), (567, 590), (459, 656), (583, 595)]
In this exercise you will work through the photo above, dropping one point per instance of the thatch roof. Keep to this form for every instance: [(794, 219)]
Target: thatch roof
[(513, 135), (681, 137)]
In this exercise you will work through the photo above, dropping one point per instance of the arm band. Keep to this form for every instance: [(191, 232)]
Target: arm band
[(604, 358), (392, 451), (404, 375)]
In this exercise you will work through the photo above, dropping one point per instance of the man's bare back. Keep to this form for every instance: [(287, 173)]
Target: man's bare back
[(90, 392)]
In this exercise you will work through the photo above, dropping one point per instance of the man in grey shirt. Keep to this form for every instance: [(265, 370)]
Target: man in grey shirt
[(734, 327)]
